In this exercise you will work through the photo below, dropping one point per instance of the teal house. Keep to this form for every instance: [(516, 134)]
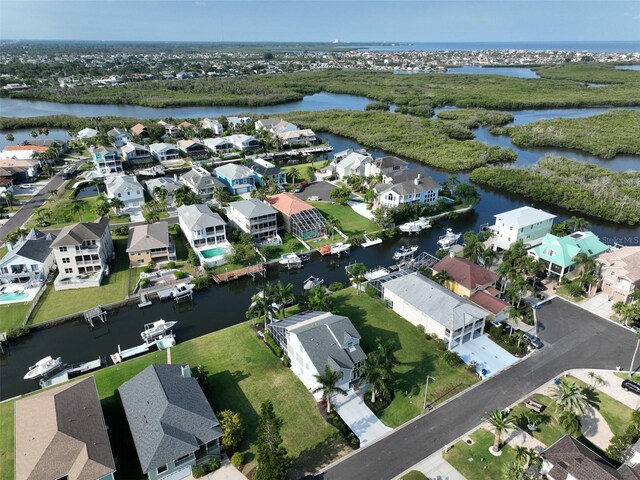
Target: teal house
[(558, 253)]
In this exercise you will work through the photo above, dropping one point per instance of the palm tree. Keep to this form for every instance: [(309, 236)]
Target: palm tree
[(489, 256), (577, 224), (220, 195), (262, 306), (283, 294), (17, 235), (53, 192), (160, 194), (500, 421), (357, 271), (635, 352), (101, 208), (388, 361), (332, 224), (150, 216), (117, 204), (77, 207), (442, 277), (522, 453), (293, 174), (473, 247), (369, 195), (570, 422), (328, 387), (9, 198), (372, 373), (259, 193), (515, 471), (596, 380), (533, 458), (569, 397)]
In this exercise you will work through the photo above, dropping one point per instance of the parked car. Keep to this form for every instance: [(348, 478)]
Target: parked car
[(313, 198), (508, 329), (536, 284), (630, 386), (301, 187), (532, 340)]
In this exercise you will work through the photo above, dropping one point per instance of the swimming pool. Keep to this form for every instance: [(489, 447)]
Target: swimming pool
[(213, 252), (12, 297)]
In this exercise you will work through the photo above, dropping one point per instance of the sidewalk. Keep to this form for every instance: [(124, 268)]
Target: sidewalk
[(435, 467)]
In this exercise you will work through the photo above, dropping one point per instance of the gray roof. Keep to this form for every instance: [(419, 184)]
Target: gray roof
[(407, 185), (199, 216), (114, 132), (146, 237), (201, 179), (572, 459), (434, 300), (79, 232), (36, 246), (168, 415), (122, 184), (168, 183), (389, 161), (524, 216), (232, 171), (105, 150), (161, 147), (132, 146), (253, 208), (263, 170)]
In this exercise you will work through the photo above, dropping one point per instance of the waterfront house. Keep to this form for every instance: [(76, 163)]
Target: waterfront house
[(214, 125), (526, 224), (236, 178), (193, 149), (24, 152), (60, 433), (297, 138), (134, 153), (125, 188), (163, 152), (385, 166), (172, 423), (465, 277), (274, 125), (150, 243), (201, 181), (167, 183), (243, 142), (119, 136), (422, 302), (300, 219), (139, 130), (7, 179), (267, 173), (83, 252), (255, 217), (620, 273), (169, 128), (187, 126), (19, 170), (107, 160), (353, 164), (315, 340), (237, 122), (206, 233), (558, 254), (414, 186), (29, 261), (218, 145), (86, 133)]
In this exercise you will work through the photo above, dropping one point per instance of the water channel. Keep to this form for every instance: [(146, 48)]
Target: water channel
[(220, 307)]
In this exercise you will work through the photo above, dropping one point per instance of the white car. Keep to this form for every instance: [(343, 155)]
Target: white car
[(313, 198)]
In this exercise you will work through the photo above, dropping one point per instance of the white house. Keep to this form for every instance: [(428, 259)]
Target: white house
[(164, 151), (119, 136), (206, 233), (125, 188), (243, 142), (386, 166), (29, 261), (201, 181), (213, 125), (168, 183), (353, 164), (255, 217), (107, 160), (275, 125), (525, 223), (218, 145), (169, 128), (419, 187), (296, 138), (315, 340), (423, 302), (86, 133), (237, 122), (134, 153)]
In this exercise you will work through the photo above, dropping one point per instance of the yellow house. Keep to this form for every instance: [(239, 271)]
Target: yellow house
[(150, 243), (465, 277)]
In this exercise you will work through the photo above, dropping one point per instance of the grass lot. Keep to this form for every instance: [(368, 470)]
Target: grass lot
[(624, 376), (468, 459), (12, 315), (301, 168), (114, 288), (3, 251), (418, 356), (242, 373), (289, 244), (549, 431), (350, 222)]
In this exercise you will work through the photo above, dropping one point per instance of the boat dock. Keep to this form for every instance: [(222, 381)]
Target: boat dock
[(71, 371), (121, 355), (164, 294), (251, 270), (95, 313)]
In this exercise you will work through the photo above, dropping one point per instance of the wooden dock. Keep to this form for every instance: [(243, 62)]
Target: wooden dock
[(251, 270)]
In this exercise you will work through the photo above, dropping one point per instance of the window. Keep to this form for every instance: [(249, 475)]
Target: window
[(66, 260), (63, 249), (549, 252), (162, 469), (68, 270)]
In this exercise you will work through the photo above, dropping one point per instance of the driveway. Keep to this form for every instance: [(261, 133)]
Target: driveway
[(599, 304), (322, 190), (489, 356), (573, 338), (361, 420)]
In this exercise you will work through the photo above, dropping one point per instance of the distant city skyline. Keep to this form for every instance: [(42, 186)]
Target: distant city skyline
[(321, 21)]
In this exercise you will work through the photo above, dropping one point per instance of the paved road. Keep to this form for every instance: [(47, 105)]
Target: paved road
[(573, 338)]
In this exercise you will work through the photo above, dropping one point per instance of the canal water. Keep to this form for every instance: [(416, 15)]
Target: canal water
[(223, 306)]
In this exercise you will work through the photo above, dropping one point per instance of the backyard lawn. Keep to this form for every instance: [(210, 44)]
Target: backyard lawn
[(289, 244), (418, 356), (12, 315), (351, 223), (475, 462)]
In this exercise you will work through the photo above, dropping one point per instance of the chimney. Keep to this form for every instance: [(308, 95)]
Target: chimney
[(452, 254), (417, 180), (185, 371)]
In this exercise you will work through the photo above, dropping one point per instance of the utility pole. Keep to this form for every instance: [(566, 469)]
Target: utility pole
[(426, 389)]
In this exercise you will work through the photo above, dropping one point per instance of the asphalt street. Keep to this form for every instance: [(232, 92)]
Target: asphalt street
[(573, 337)]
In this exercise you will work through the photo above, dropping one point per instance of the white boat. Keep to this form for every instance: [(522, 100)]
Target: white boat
[(155, 329), (404, 252), (181, 290), (311, 282), (339, 248), (448, 239), (144, 301), (415, 227), (42, 367), (290, 260), (369, 242)]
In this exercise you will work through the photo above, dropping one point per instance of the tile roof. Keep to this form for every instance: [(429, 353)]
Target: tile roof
[(79, 232), (146, 237), (252, 208), (288, 203), (465, 272), (573, 460), (524, 216), (17, 148), (623, 261), (491, 304), (138, 129)]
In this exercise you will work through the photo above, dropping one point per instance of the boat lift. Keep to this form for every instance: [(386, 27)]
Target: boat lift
[(95, 313)]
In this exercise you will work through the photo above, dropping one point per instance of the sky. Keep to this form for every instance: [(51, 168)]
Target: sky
[(322, 21)]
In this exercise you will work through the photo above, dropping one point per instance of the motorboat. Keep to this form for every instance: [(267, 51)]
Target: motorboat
[(290, 260), (42, 367), (312, 282), (369, 242), (181, 290), (448, 239), (260, 294), (403, 252), (339, 248), (416, 226), (155, 329)]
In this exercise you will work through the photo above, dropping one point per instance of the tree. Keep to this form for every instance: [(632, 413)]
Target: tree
[(596, 380), (220, 195), (500, 422), (569, 397), (317, 299), (369, 195), (150, 216), (571, 424), (262, 307), (8, 198), (293, 174), (521, 454), (77, 207), (515, 471), (116, 204), (15, 236), (357, 271), (489, 256), (232, 428), (328, 385), (9, 136), (561, 229), (577, 224), (467, 194), (473, 248), (34, 133), (273, 460), (101, 208), (54, 193), (332, 224), (383, 216), (160, 194), (372, 373), (442, 277), (387, 357), (283, 294), (341, 195)]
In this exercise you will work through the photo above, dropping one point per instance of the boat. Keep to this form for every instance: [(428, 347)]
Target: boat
[(275, 305), (72, 371), (42, 367), (416, 226), (338, 248), (155, 329), (403, 252), (448, 239), (369, 242), (290, 260), (312, 282), (324, 250), (181, 290), (144, 301)]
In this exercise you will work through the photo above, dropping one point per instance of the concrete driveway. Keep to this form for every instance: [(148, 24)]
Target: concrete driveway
[(361, 420), (599, 304), (322, 190), (489, 356)]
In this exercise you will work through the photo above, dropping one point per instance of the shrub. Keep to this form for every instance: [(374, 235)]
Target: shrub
[(232, 428), (193, 258), (122, 231), (201, 374), (144, 283), (237, 459), (440, 344), (214, 465), (286, 361), (171, 265), (18, 332), (150, 267), (335, 286), (272, 344), (198, 471), (174, 229), (356, 239), (179, 274), (452, 358), (201, 282)]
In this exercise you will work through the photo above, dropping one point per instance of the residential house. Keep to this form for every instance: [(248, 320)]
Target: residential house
[(353, 164), (267, 173), (172, 423), (193, 149), (29, 261), (386, 166), (422, 302), (620, 273), (119, 136), (23, 152), (214, 125), (201, 181), (134, 153), (169, 129), (206, 233), (167, 183), (150, 243), (254, 217), (106, 160), (526, 224), (8, 177), (337, 156), (243, 142), (297, 138), (60, 433), (125, 188), (237, 122), (219, 145), (300, 219), (139, 130), (558, 254), (48, 142), (86, 133), (466, 277), (236, 178), (187, 126), (315, 340), (83, 252), (19, 170), (163, 152), (418, 188), (274, 125)]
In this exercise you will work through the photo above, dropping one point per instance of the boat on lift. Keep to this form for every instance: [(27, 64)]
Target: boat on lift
[(448, 239), (290, 260), (339, 248), (46, 365), (182, 289), (312, 282), (155, 329), (403, 252), (416, 226)]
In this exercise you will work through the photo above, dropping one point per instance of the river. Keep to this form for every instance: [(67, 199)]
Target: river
[(220, 307)]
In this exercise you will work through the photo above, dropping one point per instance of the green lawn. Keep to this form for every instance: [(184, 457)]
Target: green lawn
[(302, 169), (475, 462), (114, 288), (289, 244), (414, 475), (625, 376), (3, 251), (350, 222), (549, 431), (418, 356), (242, 373), (12, 315)]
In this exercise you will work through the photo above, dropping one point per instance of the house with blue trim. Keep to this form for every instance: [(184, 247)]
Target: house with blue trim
[(267, 173), (236, 178)]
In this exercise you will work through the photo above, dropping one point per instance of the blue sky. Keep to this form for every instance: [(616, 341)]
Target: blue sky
[(302, 20)]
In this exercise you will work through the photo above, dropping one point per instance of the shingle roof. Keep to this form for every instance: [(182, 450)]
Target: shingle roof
[(390, 161), (61, 431), (199, 216), (36, 247), (201, 179), (79, 232), (122, 184), (410, 187), (168, 415), (232, 171), (488, 302), (252, 208), (524, 216), (263, 170), (570, 457), (161, 147), (624, 261), (168, 183), (146, 237), (131, 146), (465, 272), (288, 203), (288, 135), (114, 132)]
